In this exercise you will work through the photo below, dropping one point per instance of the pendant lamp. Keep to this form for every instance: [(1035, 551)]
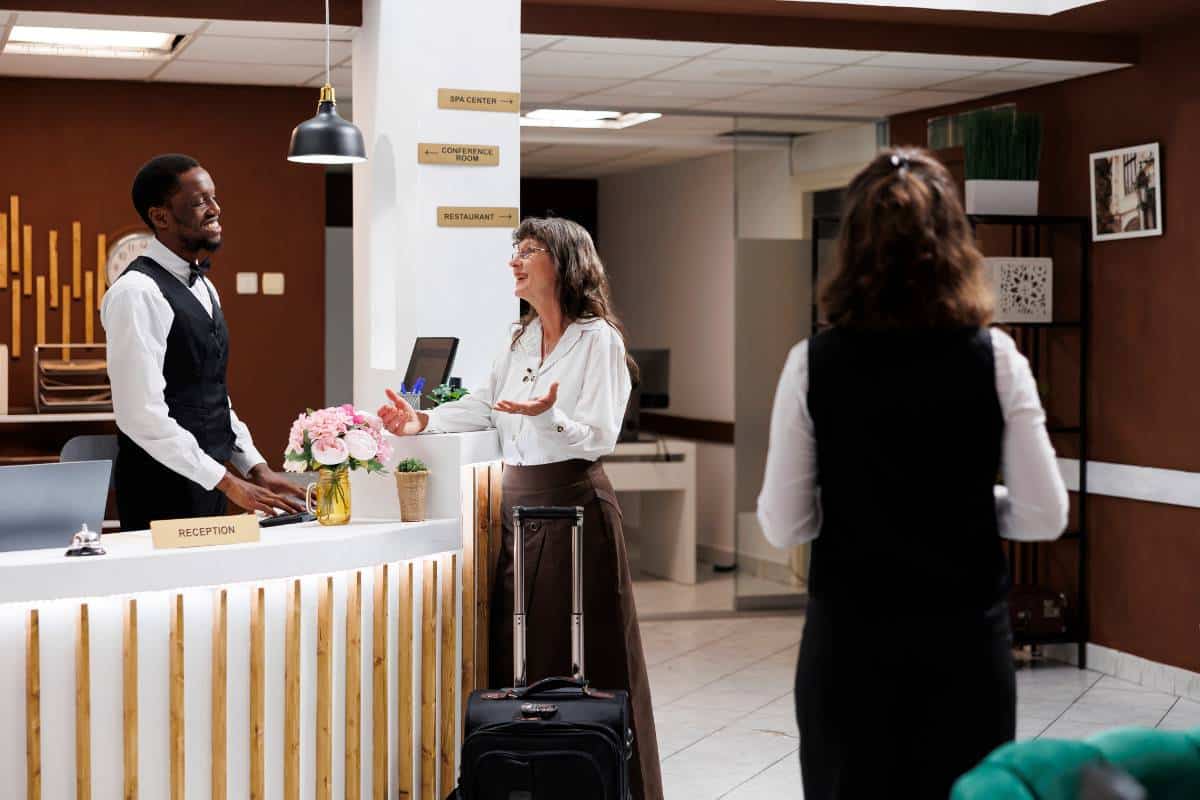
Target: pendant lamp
[(327, 138)]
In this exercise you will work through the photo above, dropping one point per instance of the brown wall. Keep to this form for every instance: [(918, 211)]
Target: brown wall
[(1145, 386), (70, 151)]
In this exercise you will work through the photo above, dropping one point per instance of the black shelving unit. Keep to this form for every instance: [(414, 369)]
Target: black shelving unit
[(1032, 237)]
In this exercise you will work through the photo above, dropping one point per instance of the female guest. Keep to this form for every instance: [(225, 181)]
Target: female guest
[(557, 396), (888, 433)]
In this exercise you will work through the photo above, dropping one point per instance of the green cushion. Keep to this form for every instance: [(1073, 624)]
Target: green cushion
[(990, 782), (1167, 763), (1049, 767)]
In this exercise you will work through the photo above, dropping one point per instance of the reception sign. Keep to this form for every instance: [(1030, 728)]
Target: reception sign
[(204, 531)]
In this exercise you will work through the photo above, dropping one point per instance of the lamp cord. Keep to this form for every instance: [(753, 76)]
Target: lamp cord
[(327, 41)]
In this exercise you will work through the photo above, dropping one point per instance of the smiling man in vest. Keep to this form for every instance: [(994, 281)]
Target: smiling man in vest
[(168, 347)]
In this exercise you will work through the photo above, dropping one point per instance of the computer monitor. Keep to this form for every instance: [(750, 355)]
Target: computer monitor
[(432, 359), (56, 500), (654, 385)]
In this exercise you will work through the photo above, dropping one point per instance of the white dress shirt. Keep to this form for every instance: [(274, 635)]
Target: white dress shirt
[(1032, 505), (136, 319), (588, 363)]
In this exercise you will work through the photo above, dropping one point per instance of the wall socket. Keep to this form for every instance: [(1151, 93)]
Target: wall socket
[(272, 283), (247, 283)]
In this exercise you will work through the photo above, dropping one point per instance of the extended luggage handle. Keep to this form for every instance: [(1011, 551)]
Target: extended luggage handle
[(575, 515)]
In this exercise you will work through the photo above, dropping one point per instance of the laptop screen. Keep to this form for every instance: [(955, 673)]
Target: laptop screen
[(56, 500)]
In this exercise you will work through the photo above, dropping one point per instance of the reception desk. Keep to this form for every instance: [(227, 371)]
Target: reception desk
[(317, 662)]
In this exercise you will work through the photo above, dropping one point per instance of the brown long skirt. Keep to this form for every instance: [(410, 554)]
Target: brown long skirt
[(613, 656)]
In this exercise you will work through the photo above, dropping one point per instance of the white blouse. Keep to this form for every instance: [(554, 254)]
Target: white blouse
[(1032, 504), (593, 389)]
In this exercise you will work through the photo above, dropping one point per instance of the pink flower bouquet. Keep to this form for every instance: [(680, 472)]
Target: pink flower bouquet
[(336, 438)]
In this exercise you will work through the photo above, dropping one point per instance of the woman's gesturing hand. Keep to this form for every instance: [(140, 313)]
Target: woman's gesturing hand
[(400, 418), (530, 408)]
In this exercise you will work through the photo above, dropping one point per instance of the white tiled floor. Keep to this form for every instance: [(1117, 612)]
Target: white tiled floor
[(723, 705)]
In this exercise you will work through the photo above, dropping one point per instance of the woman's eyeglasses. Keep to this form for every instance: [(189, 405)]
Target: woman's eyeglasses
[(527, 253)]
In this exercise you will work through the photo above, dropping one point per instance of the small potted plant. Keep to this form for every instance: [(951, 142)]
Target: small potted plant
[(412, 478), (1003, 152), (447, 392)]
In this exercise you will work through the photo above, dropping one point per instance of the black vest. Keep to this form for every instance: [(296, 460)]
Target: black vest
[(197, 398), (908, 431)]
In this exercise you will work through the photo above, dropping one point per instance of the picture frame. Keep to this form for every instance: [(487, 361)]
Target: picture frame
[(1126, 192)]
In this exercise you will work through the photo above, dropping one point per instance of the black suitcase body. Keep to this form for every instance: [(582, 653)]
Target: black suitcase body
[(558, 738)]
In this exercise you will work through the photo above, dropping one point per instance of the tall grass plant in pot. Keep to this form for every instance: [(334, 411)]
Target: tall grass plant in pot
[(1003, 152)]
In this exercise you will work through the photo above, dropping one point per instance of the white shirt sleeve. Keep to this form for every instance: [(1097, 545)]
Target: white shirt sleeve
[(136, 319), (471, 412), (1035, 504), (245, 455), (591, 431), (789, 509)]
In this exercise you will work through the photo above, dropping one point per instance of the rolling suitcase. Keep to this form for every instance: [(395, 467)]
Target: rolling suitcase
[(559, 738)]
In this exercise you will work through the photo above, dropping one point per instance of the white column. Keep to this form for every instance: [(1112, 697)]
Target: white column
[(412, 278)]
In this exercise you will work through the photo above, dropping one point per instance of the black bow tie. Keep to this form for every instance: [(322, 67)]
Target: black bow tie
[(198, 270)]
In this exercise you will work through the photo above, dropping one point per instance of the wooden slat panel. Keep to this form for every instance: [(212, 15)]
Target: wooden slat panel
[(66, 319), (258, 613), (468, 586), (53, 251), (404, 691), (429, 676), (33, 707), (325, 690), (76, 259), (291, 696), (16, 318), (379, 693), (83, 707), (354, 689), (40, 295), (27, 256), (220, 695), (14, 237), (101, 274), (129, 688), (483, 572), (3, 251), (89, 310), (448, 740), (177, 747)]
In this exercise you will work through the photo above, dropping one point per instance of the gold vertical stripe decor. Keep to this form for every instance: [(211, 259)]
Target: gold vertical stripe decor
[(41, 310), (258, 613), (379, 693), (27, 255), (291, 696), (16, 318), (429, 678), (220, 695), (176, 741), (449, 704), (101, 274), (14, 237), (52, 250), (33, 707), (354, 689), (89, 311), (129, 711), (483, 569), (468, 592), (83, 707), (66, 321), (76, 259), (3, 251), (404, 690), (325, 690)]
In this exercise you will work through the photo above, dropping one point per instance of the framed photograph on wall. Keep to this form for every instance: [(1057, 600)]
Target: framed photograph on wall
[(1126, 193)]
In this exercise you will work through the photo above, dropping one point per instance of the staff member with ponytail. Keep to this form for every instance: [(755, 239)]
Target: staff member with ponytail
[(557, 396)]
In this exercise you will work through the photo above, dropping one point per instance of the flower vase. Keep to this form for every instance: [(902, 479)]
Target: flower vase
[(332, 501)]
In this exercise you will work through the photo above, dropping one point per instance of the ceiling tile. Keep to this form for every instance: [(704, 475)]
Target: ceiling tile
[(545, 83), (1067, 67), (742, 71), (886, 78), (114, 69), (681, 123), (619, 100), (738, 106), (803, 55), (250, 74), (342, 77), (108, 22), (279, 30), (938, 61), (246, 50), (647, 47), (596, 65), (685, 89), (814, 95), (1006, 81), (925, 99), (532, 41)]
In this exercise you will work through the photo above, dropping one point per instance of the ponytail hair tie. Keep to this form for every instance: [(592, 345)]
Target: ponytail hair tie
[(899, 161)]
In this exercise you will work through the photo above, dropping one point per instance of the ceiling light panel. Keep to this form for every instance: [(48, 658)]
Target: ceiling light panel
[(88, 42)]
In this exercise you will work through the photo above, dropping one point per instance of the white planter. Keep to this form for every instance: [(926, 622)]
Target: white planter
[(1002, 197)]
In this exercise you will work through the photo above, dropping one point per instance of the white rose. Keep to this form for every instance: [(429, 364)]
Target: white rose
[(362, 445), (330, 454)]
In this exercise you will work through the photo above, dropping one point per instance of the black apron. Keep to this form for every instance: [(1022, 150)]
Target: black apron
[(197, 399), (905, 677)]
